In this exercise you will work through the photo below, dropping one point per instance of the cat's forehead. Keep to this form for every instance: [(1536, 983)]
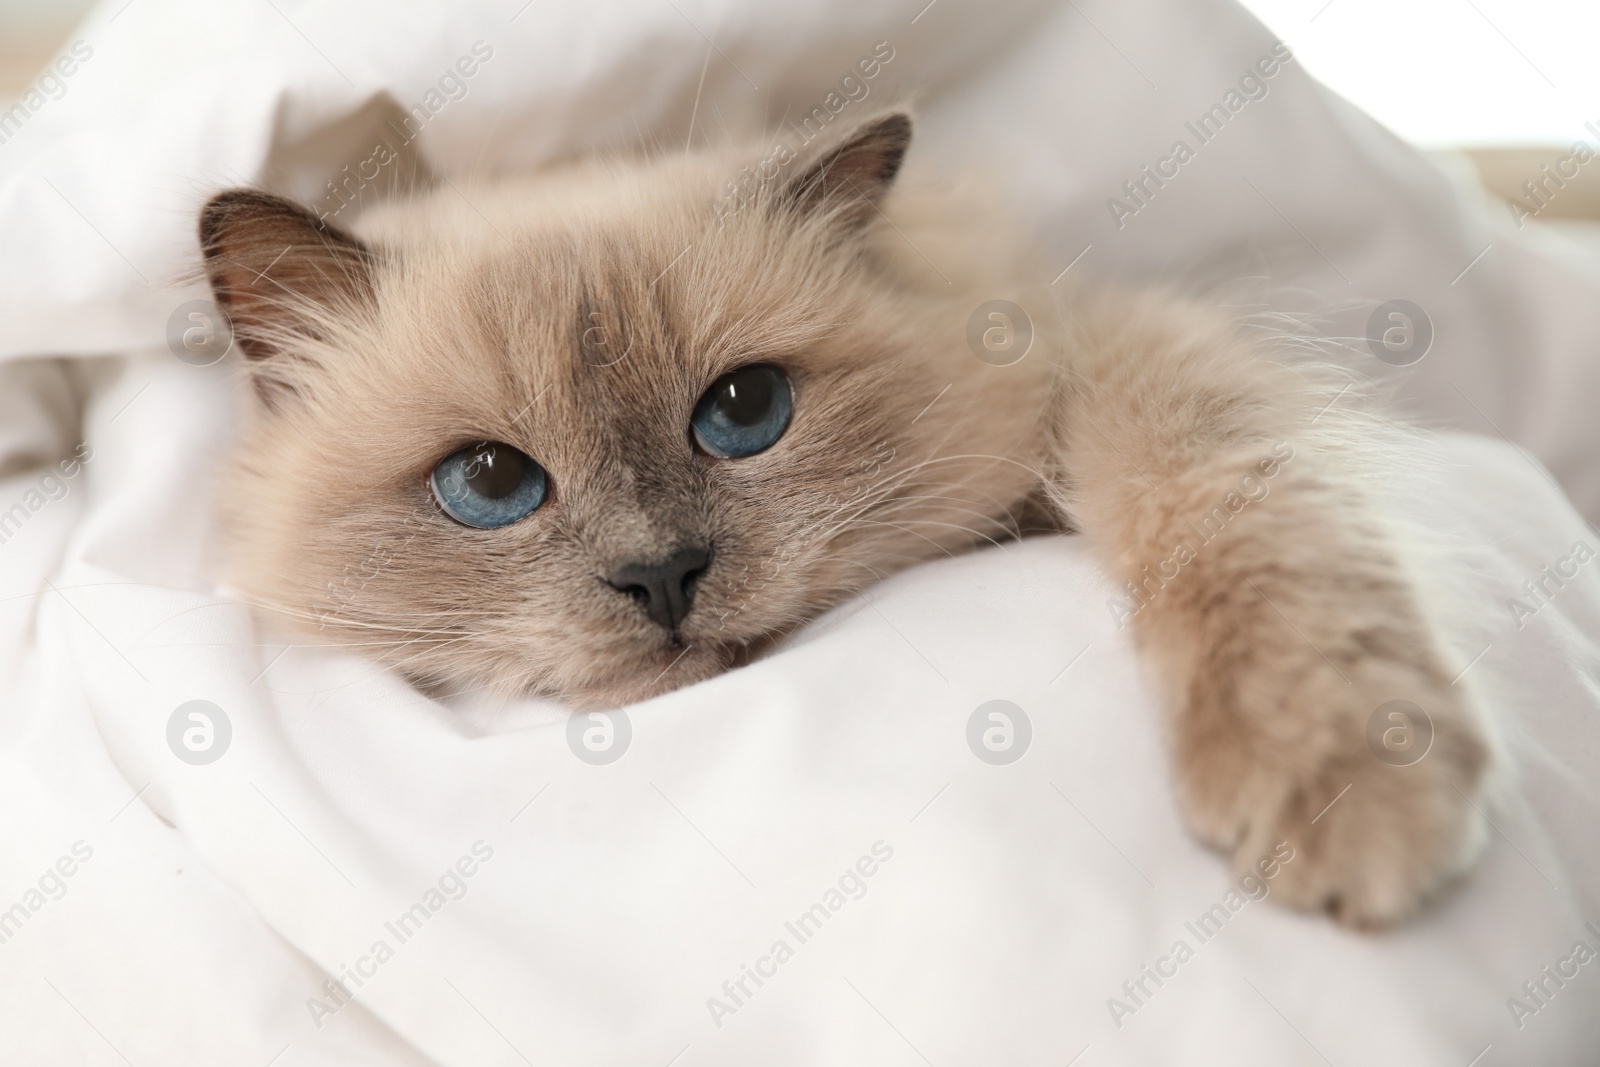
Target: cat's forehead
[(564, 338), (607, 279), (611, 306)]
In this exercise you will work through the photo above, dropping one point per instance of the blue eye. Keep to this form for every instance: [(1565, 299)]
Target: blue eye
[(744, 412), (488, 484)]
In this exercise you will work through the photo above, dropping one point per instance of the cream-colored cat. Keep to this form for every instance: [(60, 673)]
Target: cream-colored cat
[(604, 432)]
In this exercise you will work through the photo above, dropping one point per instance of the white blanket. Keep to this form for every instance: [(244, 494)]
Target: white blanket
[(489, 890)]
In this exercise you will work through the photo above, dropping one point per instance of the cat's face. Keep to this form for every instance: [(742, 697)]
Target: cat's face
[(611, 530)]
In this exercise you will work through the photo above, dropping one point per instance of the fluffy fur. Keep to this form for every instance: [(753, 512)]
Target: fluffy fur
[(579, 314)]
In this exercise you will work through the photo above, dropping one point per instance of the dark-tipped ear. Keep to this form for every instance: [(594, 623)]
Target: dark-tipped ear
[(273, 266), (846, 178)]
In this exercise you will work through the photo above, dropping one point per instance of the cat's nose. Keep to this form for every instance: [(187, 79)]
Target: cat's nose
[(665, 589)]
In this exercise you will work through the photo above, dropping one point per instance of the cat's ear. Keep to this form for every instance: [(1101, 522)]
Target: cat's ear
[(276, 269), (848, 175)]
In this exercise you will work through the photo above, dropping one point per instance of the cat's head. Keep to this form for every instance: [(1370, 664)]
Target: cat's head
[(603, 432)]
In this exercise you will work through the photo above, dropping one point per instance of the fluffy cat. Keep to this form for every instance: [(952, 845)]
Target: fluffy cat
[(600, 432)]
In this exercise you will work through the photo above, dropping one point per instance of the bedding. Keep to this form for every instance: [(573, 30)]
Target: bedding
[(933, 827)]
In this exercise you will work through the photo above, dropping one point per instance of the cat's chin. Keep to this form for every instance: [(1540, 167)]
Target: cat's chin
[(673, 668), (619, 681)]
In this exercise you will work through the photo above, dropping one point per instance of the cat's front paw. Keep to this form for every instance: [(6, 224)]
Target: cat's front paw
[(1377, 794)]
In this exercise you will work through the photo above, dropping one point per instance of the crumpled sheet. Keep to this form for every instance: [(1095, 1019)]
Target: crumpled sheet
[(366, 875)]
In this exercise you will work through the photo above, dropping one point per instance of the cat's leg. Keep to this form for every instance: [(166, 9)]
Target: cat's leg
[(1273, 601)]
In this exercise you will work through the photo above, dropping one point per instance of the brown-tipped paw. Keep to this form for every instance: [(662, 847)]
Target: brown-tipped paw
[(1376, 796)]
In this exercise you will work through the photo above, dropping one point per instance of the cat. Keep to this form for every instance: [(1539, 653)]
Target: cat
[(597, 433)]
